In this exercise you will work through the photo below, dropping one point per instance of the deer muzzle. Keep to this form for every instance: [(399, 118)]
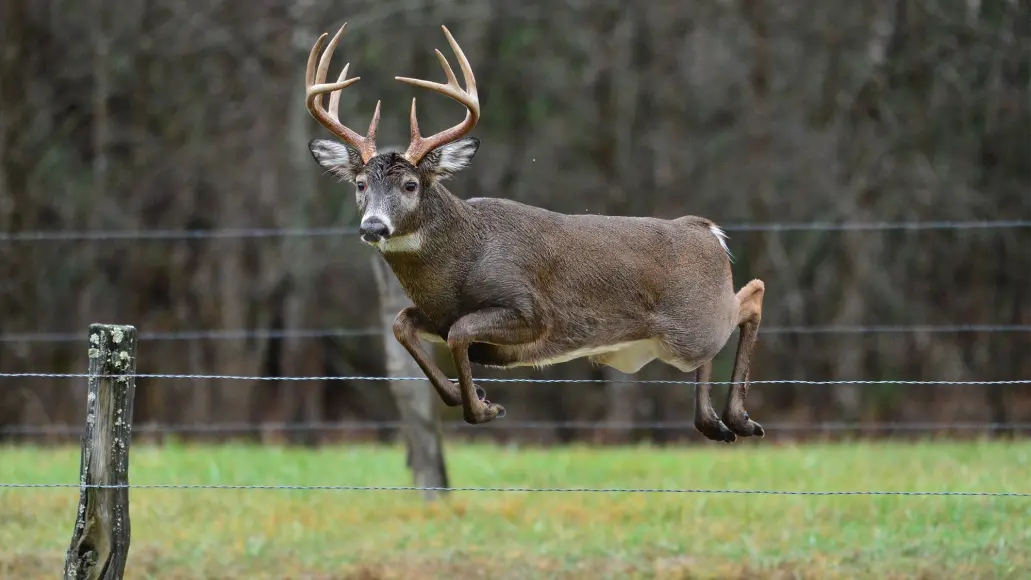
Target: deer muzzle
[(374, 230)]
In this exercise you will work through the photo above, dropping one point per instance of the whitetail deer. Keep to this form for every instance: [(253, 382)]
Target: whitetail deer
[(504, 284)]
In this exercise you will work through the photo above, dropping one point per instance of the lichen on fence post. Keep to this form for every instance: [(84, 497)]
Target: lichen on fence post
[(100, 540)]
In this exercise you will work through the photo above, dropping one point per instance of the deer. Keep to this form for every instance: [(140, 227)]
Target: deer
[(504, 284)]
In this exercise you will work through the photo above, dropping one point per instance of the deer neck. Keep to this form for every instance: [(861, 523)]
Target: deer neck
[(431, 272)]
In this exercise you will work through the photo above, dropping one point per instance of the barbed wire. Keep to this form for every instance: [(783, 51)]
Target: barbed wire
[(216, 334), (238, 233), (187, 486), (895, 328), (285, 333), (217, 428), (505, 380)]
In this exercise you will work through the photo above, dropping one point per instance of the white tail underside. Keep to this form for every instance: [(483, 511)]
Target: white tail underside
[(722, 237)]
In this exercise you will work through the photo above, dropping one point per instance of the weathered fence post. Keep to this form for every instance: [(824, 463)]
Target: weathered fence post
[(415, 400), (100, 540)]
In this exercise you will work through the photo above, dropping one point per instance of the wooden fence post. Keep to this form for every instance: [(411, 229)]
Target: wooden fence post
[(416, 400), (100, 540)]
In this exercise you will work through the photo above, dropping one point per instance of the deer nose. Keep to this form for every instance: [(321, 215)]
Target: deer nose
[(373, 230)]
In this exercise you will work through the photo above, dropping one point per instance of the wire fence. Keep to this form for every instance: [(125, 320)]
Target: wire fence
[(273, 334), (238, 233), (68, 429), (311, 333), (358, 426)]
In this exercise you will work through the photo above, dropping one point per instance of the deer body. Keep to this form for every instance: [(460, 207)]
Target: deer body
[(505, 284), (579, 296)]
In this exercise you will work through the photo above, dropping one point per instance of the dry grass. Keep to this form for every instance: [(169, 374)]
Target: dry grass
[(373, 535)]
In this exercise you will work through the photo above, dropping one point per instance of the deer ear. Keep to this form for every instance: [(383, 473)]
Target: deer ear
[(447, 160), (340, 159)]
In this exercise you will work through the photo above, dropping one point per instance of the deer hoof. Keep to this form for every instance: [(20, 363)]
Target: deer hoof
[(481, 394), (483, 412), (715, 430), (742, 425)]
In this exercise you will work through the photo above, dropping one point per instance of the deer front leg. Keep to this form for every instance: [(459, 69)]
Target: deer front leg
[(750, 306), (407, 326), (497, 326)]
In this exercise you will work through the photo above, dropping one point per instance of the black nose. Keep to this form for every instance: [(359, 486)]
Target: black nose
[(373, 230)]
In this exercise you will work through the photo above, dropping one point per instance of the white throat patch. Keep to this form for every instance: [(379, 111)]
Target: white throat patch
[(406, 243)]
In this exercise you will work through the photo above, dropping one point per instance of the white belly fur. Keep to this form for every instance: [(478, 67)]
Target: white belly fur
[(625, 357), (430, 337)]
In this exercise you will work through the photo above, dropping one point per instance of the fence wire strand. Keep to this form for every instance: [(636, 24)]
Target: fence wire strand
[(279, 334), (507, 380), (510, 489), (253, 233), (771, 428)]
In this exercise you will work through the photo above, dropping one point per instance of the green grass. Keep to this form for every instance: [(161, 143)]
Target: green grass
[(347, 534)]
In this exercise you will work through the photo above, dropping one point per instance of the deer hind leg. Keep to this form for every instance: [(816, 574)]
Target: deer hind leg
[(750, 307), (705, 418)]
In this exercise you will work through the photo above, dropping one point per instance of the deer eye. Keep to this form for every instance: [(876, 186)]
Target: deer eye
[(361, 186), (411, 186)]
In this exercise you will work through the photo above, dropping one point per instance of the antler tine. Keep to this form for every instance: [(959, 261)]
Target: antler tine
[(419, 145), (334, 97), (316, 86), (309, 73), (327, 55), (413, 120), (463, 63), (315, 79), (447, 89), (373, 126)]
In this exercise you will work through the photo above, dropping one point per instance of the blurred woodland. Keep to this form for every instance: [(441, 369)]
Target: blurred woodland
[(188, 115)]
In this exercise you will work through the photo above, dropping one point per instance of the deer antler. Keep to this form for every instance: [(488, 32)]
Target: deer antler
[(419, 145), (315, 82)]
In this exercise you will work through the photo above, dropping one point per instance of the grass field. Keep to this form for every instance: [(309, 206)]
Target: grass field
[(201, 534)]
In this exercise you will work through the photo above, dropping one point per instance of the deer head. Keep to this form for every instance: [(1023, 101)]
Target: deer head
[(391, 187)]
